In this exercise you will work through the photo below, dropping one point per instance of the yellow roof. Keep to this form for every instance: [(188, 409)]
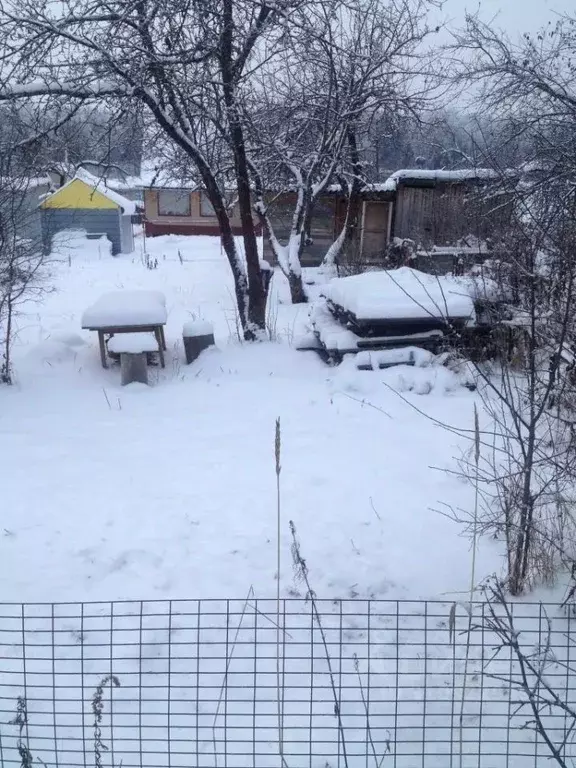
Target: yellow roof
[(78, 194)]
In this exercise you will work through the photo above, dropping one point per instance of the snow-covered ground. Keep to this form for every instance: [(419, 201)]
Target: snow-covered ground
[(169, 490)]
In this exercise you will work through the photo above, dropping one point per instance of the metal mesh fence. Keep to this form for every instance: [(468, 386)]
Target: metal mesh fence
[(233, 683)]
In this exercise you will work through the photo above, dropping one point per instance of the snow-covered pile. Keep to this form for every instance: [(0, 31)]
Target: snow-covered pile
[(402, 293), (126, 308), (133, 343), (74, 243), (436, 175), (332, 334), (195, 328), (335, 336)]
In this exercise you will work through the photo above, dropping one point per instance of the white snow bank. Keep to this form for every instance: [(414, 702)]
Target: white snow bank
[(51, 351), (68, 338), (76, 243), (401, 293), (332, 334), (335, 336), (197, 328), (383, 358), (418, 375), (423, 381), (133, 343), (119, 308), (24, 183)]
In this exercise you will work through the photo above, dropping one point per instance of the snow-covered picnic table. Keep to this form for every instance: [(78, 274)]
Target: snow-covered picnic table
[(127, 312)]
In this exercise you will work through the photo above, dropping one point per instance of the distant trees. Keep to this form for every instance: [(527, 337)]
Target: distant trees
[(111, 140), (527, 86)]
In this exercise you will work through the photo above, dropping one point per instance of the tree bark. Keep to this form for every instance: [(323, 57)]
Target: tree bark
[(523, 545), (255, 324), (297, 292), (354, 201), (241, 288), (349, 232)]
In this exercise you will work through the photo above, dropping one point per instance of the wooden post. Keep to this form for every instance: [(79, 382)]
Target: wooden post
[(158, 332), (102, 349), (133, 367)]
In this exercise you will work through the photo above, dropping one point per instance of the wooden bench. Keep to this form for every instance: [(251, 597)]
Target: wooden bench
[(133, 349)]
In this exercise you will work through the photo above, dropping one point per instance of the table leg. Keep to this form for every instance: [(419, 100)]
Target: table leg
[(163, 338), (158, 334), (102, 349)]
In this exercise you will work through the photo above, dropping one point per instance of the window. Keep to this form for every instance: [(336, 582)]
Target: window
[(173, 202), (206, 207)]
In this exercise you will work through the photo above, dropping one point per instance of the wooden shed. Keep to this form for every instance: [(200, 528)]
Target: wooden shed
[(439, 207), (86, 203), (328, 219), (183, 211)]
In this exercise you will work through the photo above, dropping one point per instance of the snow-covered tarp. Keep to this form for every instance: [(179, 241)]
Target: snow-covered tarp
[(126, 308), (402, 293)]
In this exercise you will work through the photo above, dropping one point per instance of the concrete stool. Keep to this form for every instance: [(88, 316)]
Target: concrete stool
[(198, 336), (133, 349)]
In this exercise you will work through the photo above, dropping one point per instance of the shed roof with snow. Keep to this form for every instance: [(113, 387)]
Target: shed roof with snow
[(87, 203)]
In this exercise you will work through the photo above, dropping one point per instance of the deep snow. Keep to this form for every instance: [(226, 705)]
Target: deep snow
[(126, 308), (169, 490), (401, 293)]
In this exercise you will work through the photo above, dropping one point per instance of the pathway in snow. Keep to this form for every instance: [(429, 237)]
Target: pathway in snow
[(169, 491)]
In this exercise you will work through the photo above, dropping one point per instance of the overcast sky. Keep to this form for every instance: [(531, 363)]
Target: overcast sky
[(515, 16)]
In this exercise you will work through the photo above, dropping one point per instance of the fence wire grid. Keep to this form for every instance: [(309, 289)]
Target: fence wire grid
[(239, 684)]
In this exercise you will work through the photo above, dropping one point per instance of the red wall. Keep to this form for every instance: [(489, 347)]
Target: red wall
[(153, 228)]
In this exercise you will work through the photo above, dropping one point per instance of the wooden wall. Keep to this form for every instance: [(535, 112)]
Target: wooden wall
[(443, 214)]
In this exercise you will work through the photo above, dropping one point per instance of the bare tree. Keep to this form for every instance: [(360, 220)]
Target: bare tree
[(343, 65), (529, 87), (22, 258), (173, 58), (528, 459), (533, 672)]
